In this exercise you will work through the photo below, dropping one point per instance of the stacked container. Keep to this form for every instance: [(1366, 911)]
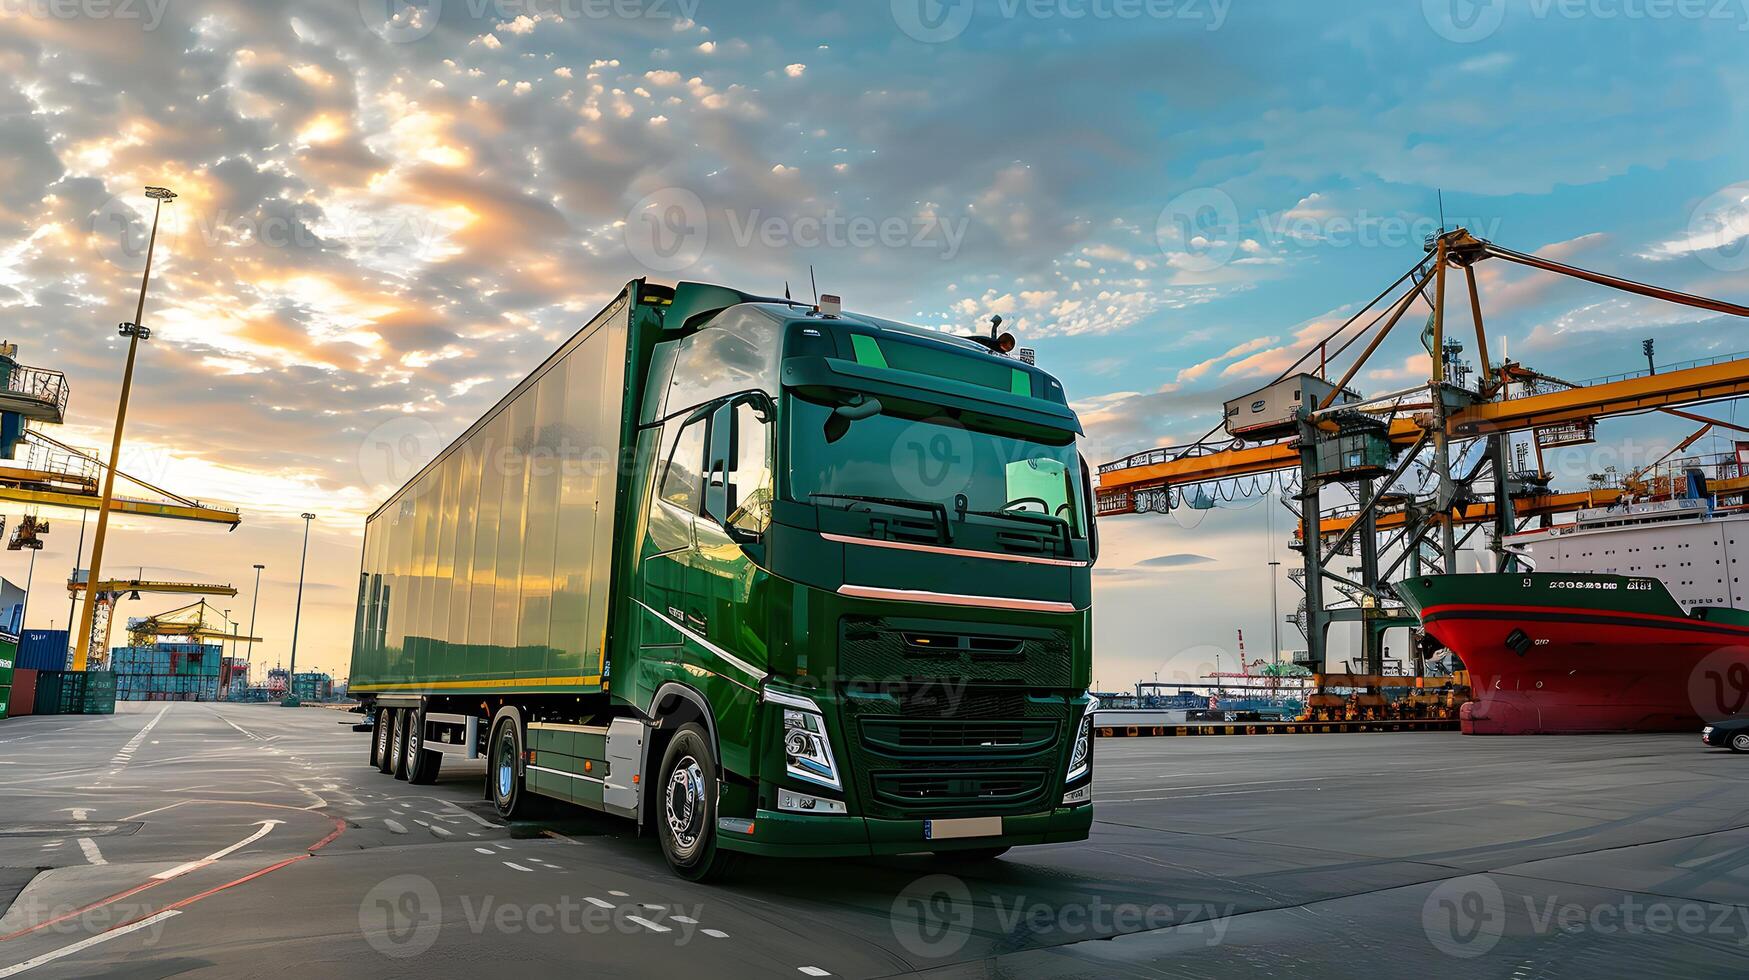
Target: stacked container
[(75, 692), (43, 649), (168, 672)]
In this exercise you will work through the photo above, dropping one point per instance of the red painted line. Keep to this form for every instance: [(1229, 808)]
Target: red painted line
[(184, 903), (118, 896), (339, 828)]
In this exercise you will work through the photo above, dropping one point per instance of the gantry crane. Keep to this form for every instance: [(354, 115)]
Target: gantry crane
[(196, 621), (109, 591), (1333, 438)]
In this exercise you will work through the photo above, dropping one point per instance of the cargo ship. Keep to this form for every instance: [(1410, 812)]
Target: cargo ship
[(1631, 622)]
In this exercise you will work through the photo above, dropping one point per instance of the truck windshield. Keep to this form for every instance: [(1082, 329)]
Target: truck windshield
[(932, 462)]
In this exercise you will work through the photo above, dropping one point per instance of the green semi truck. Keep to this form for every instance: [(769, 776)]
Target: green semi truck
[(766, 577)]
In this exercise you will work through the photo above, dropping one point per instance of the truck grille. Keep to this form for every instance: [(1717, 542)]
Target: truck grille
[(882, 649), (928, 789), (910, 737)]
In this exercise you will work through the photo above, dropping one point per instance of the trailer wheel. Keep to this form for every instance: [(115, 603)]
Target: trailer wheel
[(1740, 742), (422, 763), (398, 744), (379, 741), (686, 807), (503, 778)]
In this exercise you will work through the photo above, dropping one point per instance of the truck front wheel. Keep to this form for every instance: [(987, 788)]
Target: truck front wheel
[(686, 807), (502, 771)]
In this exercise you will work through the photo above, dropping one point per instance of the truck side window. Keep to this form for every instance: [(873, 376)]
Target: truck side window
[(752, 476), (683, 476)]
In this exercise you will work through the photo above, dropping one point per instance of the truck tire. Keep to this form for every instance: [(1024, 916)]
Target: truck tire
[(379, 741), (398, 762), (422, 763), (686, 807), (503, 771)]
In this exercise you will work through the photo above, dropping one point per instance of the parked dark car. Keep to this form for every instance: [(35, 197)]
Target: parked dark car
[(1732, 733)]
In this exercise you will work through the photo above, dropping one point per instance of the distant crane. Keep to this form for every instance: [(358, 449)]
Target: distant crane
[(111, 590)]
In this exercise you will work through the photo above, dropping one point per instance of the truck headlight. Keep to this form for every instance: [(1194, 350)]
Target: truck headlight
[(807, 750), (1081, 757)]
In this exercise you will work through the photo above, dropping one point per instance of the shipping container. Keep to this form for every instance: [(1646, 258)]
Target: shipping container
[(75, 692), (23, 692), (5, 701), (43, 649)]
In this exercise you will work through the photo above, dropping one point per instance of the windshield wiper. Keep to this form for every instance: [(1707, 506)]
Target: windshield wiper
[(1058, 524), (935, 509)]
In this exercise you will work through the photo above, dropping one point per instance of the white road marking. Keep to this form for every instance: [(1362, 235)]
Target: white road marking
[(599, 903), (78, 812), (814, 971), (647, 924), (619, 894), (102, 937), (485, 850), (182, 869), (715, 933), (439, 830), (518, 867), (92, 854), (685, 919), (396, 826)]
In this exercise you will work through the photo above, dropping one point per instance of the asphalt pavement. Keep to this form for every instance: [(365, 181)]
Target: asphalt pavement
[(218, 840)]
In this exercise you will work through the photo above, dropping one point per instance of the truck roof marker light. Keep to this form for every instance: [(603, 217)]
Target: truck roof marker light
[(830, 305)]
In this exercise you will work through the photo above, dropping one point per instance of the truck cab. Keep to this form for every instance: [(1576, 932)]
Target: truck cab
[(866, 548)]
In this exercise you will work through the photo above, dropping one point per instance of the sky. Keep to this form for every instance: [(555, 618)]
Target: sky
[(390, 212)]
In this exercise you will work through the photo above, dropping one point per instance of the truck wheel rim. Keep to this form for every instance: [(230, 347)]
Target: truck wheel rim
[(1741, 743), (684, 802), (506, 771)]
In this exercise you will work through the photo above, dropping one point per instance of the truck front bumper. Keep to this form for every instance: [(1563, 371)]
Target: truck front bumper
[(774, 834)]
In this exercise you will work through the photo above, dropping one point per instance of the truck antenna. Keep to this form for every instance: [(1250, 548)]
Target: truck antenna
[(814, 284)]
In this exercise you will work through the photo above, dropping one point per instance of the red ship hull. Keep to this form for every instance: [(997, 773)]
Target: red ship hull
[(1570, 654)]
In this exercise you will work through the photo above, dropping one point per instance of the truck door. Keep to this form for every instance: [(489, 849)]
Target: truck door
[(669, 546), (724, 590)]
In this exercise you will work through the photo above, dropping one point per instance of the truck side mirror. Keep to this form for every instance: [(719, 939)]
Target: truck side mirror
[(720, 456)]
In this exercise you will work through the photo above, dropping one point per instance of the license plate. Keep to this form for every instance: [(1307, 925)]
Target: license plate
[(961, 828)]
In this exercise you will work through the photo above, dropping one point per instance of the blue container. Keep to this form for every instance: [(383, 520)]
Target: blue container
[(43, 650)]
